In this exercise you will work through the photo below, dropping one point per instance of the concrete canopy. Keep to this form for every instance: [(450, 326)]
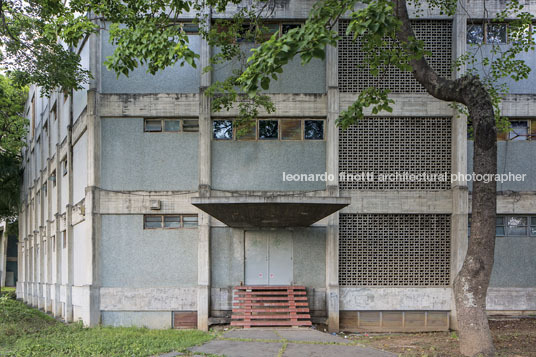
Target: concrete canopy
[(269, 211)]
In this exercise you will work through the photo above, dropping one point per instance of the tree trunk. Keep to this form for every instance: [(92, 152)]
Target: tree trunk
[(471, 283)]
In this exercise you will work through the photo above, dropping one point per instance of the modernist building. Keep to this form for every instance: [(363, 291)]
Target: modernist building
[(140, 204)]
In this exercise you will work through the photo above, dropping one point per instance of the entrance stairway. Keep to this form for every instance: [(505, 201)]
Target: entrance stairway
[(270, 306)]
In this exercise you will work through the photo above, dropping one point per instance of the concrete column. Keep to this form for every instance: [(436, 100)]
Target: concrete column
[(69, 219), (460, 196), (57, 304), (33, 269), (203, 247), (20, 270), (332, 166), (92, 215), (20, 254), (57, 307), (40, 268), (49, 234)]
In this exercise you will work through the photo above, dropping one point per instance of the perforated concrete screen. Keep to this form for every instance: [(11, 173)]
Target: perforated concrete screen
[(391, 146), (394, 249), (353, 71)]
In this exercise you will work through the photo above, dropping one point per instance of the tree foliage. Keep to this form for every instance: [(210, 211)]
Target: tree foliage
[(12, 132)]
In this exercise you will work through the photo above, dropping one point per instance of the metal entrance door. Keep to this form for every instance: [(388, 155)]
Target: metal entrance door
[(268, 258)]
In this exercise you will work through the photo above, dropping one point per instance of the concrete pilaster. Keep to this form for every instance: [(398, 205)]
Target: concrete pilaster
[(69, 220), (93, 218), (40, 268), (20, 270), (57, 307), (203, 247), (332, 166), (460, 196)]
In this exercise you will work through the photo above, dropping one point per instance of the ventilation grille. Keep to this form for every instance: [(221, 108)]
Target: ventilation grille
[(394, 249), (387, 146), (354, 75)]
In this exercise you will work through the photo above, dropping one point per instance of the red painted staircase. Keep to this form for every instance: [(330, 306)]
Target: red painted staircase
[(270, 306)]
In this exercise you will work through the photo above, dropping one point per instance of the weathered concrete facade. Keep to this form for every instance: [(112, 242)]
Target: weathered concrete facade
[(94, 173)]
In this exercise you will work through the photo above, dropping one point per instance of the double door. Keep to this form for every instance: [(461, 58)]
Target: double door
[(268, 258)]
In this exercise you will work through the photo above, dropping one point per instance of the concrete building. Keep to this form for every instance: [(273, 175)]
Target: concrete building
[(140, 204)]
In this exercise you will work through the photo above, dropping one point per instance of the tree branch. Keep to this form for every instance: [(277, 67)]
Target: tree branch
[(439, 87)]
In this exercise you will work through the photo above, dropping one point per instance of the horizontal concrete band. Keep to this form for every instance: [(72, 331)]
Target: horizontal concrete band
[(148, 299), (395, 298), (511, 299)]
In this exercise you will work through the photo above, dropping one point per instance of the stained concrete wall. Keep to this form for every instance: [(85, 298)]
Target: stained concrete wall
[(149, 319), (65, 112), (242, 165), (174, 79), (135, 160), (310, 257), (295, 78), (137, 258), (81, 258), (525, 86), (80, 168), (80, 96), (514, 264), (53, 131), (227, 257), (516, 157)]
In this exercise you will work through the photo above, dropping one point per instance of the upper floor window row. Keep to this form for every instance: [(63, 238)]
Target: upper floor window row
[(497, 33), (513, 226), (520, 130), (270, 129), (256, 33), (171, 125), (170, 221)]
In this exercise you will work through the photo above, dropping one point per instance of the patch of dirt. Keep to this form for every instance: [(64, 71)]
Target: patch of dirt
[(512, 337)]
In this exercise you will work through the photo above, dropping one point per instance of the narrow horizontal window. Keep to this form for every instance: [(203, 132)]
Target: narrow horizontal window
[(475, 34), (190, 125), (291, 129), (153, 125), (496, 34), (519, 130), (222, 129), (287, 27), (151, 222), (190, 29), (268, 129), (169, 221), (172, 221), (173, 126), (314, 130), (517, 226), (247, 132), (189, 221)]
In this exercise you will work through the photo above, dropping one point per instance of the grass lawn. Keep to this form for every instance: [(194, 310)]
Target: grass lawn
[(28, 332)]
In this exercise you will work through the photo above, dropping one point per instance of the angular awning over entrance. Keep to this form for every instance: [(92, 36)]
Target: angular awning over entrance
[(269, 211)]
